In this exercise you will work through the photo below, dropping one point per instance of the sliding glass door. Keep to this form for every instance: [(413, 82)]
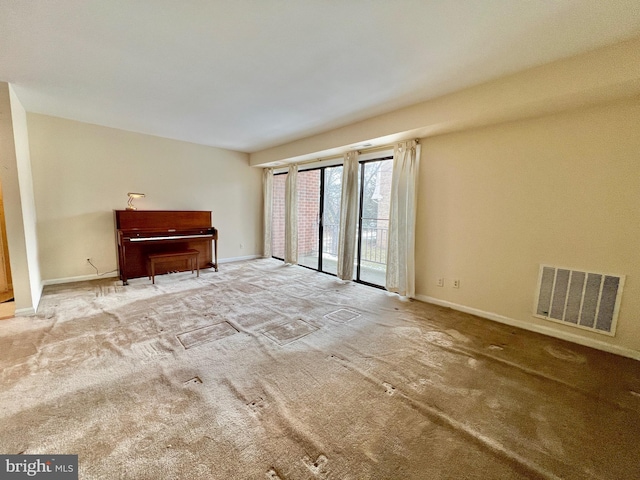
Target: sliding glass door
[(331, 194), (319, 192), (319, 196), (373, 224), (309, 183)]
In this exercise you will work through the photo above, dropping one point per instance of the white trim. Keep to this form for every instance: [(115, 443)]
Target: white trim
[(335, 161), (24, 312), (81, 278), (239, 259), (570, 337), (375, 155)]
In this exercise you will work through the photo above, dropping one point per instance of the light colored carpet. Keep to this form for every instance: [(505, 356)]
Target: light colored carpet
[(268, 371)]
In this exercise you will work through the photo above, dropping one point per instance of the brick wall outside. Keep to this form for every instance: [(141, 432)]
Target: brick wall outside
[(308, 212), (277, 219)]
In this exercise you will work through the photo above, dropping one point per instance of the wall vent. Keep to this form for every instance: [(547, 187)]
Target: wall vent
[(583, 299)]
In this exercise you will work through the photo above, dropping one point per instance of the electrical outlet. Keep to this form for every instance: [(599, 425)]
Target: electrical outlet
[(456, 283), (440, 282)]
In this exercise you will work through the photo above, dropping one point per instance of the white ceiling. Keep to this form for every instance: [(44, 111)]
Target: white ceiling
[(250, 74)]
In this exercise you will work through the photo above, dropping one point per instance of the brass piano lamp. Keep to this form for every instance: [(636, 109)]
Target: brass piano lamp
[(133, 195)]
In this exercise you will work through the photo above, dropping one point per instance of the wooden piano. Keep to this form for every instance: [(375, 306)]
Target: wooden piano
[(147, 232)]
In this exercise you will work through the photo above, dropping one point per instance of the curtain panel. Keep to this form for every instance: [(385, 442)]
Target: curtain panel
[(291, 216), (267, 203), (402, 219), (348, 217)]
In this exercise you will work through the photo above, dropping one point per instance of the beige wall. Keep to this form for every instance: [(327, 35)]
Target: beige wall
[(496, 202), (19, 206), (83, 172)]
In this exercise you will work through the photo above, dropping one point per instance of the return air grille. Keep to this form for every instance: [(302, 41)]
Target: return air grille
[(583, 299)]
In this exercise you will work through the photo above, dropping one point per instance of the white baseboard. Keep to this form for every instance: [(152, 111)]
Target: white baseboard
[(24, 312), (238, 259), (81, 278), (570, 337)]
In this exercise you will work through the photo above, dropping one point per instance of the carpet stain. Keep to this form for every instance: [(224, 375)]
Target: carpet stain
[(407, 332), (257, 405), (457, 335), (204, 335), (564, 354), (419, 385), (390, 389), (318, 466), (439, 338), (273, 475), (194, 381)]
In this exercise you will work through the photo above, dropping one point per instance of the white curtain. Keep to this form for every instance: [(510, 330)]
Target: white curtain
[(348, 216), (267, 192), (291, 216), (402, 219)]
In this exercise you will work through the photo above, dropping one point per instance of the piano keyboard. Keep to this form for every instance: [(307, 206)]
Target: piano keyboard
[(175, 237)]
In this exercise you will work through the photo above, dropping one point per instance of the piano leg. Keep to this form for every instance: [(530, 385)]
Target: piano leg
[(123, 264)]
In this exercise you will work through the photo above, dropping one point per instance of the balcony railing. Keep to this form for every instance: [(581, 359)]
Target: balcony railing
[(373, 248)]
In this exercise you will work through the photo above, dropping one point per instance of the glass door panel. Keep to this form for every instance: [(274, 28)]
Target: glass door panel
[(332, 192), (309, 218), (375, 189)]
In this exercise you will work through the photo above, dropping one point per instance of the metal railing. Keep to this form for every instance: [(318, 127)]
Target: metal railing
[(373, 248)]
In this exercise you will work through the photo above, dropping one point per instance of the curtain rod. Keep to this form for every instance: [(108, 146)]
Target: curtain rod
[(340, 156)]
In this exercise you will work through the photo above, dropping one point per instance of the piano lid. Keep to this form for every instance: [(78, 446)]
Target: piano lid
[(167, 220)]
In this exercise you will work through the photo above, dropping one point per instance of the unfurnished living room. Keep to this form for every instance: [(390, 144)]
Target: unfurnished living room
[(314, 239)]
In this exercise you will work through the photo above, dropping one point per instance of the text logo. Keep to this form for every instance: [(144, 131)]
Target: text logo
[(49, 467)]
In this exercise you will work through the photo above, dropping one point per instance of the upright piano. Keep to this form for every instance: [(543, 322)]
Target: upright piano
[(146, 232)]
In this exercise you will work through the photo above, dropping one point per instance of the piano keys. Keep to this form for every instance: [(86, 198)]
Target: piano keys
[(141, 233)]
